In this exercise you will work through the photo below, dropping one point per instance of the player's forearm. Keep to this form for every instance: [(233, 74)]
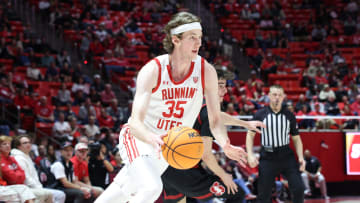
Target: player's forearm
[(230, 120), (139, 130), (212, 164), (219, 131), (250, 143), (298, 146)]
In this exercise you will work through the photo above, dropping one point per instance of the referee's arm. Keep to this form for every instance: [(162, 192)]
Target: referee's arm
[(253, 162), (299, 150)]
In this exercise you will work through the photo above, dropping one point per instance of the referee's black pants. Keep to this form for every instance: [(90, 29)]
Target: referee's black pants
[(279, 162)]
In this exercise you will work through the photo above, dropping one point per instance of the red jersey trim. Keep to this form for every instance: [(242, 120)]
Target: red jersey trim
[(204, 196), (185, 78), (203, 74), (172, 196), (159, 76)]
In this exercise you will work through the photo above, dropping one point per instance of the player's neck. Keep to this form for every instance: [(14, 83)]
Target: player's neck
[(179, 66)]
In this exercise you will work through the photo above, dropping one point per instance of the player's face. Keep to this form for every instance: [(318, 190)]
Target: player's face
[(190, 42), (222, 89), (276, 97)]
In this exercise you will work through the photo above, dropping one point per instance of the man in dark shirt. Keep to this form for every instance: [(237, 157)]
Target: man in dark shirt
[(313, 173), (276, 157)]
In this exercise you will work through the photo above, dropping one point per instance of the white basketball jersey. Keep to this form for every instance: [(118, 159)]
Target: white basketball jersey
[(171, 104), (175, 103)]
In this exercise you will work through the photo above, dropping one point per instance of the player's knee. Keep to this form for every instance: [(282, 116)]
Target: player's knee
[(152, 191)]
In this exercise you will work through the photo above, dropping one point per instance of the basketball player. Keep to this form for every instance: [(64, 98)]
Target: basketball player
[(169, 92), (197, 182)]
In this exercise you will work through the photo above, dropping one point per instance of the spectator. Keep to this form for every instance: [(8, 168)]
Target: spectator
[(61, 129), (63, 171), (75, 129), (63, 58), (321, 123), (105, 120), (44, 111), (348, 123), (107, 95), (68, 112), (117, 113), (325, 93), (52, 73), (231, 110), (302, 101), (318, 33), (21, 153), (63, 95), (7, 90), (15, 193), (331, 106), (80, 85), (314, 100), (305, 123), (91, 129), (313, 173), (65, 73), (81, 171), (99, 166), (96, 48), (101, 33), (47, 59), (33, 72), (86, 110), (98, 83), (95, 97)]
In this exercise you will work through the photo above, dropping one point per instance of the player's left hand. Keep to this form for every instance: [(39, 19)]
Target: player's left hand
[(235, 153), (302, 165), (252, 125), (231, 186)]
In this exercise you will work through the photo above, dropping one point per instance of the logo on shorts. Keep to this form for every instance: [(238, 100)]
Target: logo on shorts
[(217, 189), (195, 79)]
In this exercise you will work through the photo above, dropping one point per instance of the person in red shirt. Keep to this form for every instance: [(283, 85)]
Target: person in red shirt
[(267, 66), (12, 173), (107, 95), (321, 123), (44, 111), (105, 120), (81, 171)]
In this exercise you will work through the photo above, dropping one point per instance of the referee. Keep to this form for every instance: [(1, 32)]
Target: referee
[(276, 157)]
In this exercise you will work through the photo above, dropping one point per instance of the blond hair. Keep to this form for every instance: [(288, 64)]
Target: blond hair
[(177, 20), (4, 138)]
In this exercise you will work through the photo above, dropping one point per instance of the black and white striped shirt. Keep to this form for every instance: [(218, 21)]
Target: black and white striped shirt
[(278, 126)]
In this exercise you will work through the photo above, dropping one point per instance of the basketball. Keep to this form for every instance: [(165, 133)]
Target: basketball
[(183, 147)]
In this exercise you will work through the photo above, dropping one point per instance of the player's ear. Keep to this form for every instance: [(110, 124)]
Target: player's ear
[(175, 39)]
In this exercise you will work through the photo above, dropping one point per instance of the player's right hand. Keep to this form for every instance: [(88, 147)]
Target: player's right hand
[(157, 141), (229, 183), (252, 160), (235, 153)]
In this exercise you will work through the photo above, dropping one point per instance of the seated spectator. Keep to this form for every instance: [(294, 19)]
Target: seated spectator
[(11, 171), (131, 27), (21, 153), (75, 129), (63, 58), (61, 129), (44, 111), (96, 48), (348, 123), (107, 95), (331, 106), (95, 97), (318, 33), (231, 110), (79, 98), (325, 93), (81, 170), (104, 119), (65, 73), (33, 72), (7, 90), (117, 113), (52, 73), (305, 123), (313, 173), (91, 129), (68, 112), (15, 193), (22, 101), (98, 84), (268, 66), (47, 59), (86, 110), (302, 101), (129, 50), (63, 95), (81, 85), (63, 171), (321, 123)]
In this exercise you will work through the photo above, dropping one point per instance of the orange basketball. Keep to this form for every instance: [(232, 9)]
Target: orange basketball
[(183, 147)]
